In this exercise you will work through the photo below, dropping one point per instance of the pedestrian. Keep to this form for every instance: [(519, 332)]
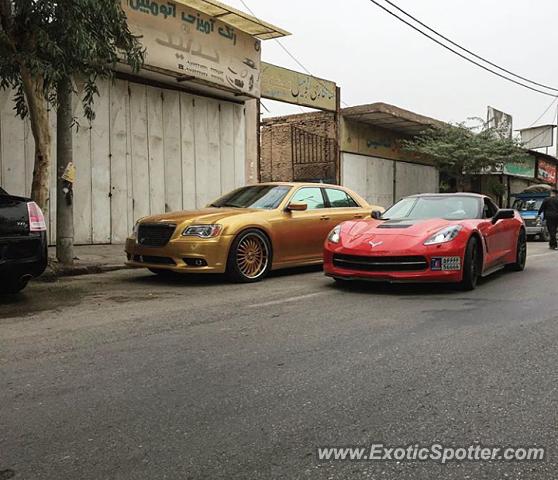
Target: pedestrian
[(549, 209)]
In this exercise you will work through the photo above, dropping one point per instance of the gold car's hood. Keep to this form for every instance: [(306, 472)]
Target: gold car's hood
[(203, 216)]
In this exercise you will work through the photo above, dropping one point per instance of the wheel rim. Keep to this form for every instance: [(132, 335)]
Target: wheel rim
[(252, 256)]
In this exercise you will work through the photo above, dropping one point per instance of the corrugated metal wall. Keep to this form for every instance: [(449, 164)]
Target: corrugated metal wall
[(149, 150), (373, 178)]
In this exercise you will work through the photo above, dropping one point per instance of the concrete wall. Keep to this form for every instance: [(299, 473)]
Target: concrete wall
[(149, 150), (413, 178), (373, 178)]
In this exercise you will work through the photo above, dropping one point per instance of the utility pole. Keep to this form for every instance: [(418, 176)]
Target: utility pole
[(64, 175)]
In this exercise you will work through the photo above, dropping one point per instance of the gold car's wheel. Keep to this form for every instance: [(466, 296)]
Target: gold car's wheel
[(251, 256), (249, 259)]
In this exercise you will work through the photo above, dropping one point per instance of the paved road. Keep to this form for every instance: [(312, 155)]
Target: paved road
[(127, 376)]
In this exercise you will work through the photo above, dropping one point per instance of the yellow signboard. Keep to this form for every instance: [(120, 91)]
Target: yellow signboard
[(297, 88), (187, 42)]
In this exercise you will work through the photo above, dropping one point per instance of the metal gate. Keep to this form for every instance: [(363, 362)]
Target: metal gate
[(314, 157)]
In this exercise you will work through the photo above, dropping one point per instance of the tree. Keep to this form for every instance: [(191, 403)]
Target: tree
[(462, 151), (46, 42)]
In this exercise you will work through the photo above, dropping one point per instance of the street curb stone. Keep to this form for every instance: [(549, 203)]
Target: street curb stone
[(55, 271)]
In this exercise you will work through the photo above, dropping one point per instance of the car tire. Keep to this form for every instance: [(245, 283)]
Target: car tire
[(520, 255), (250, 257), (545, 235), (471, 266)]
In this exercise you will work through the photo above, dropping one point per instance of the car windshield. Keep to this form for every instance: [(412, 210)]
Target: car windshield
[(527, 204), (420, 208), (257, 196)]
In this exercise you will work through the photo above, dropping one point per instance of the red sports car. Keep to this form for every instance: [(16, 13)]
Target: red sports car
[(429, 238)]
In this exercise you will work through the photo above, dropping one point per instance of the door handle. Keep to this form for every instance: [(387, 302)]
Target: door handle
[(358, 216), (324, 218)]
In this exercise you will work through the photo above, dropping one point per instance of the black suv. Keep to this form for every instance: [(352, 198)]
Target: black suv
[(23, 242)]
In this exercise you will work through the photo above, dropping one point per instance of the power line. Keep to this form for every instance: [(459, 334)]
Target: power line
[(484, 67), (544, 113), (466, 50), (298, 62)]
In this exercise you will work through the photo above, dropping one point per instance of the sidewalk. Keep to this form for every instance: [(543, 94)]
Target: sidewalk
[(89, 259)]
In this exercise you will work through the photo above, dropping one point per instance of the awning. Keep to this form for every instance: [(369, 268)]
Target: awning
[(390, 117), (236, 18)]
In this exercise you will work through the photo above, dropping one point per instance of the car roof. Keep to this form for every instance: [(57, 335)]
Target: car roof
[(457, 194), (302, 184)]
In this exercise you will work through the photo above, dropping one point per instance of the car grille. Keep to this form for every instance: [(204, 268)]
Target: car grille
[(153, 260), (531, 222), (155, 235), (380, 263)]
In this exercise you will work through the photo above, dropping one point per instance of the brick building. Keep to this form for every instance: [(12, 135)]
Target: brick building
[(359, 148)]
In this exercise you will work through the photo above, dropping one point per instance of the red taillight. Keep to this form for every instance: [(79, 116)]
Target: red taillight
[(36, 218)]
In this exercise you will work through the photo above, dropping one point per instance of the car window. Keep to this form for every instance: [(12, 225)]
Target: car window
[(436, 206), (255, 196), (339, 198), (528, 205), (489, 209), (312, 196)]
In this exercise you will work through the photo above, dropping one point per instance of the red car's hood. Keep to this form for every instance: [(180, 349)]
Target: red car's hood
[(390, 235)]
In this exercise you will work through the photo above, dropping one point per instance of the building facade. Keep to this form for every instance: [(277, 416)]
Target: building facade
[(174, 136), (361, 150)]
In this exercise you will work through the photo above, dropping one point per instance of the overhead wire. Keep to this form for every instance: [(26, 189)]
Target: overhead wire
[(464, 57), (286, 50), (461, 47)]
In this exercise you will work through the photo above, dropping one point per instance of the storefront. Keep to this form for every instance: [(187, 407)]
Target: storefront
[(372, 162), (172, 137)]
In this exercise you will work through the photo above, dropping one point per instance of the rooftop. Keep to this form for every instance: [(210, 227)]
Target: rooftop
[(236, 18), (390, 117)]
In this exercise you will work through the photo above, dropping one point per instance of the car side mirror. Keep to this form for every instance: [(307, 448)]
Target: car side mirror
[(376, 215), (297, 207), (503, 214)]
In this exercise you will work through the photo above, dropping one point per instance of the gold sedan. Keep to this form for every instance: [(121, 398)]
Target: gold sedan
[(247, 232)]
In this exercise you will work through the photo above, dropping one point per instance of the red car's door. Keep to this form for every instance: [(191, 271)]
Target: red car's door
[(495, 235), (509, 237)]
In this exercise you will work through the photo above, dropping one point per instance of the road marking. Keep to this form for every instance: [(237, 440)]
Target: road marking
[(287, 300)]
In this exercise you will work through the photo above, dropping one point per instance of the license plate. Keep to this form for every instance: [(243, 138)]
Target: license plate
[(445, 264)]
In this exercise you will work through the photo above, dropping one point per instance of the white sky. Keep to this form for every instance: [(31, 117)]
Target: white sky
[(376, 58)]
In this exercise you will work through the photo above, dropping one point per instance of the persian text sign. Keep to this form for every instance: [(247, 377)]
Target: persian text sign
[(521, 169), (297, 88), (190, 43), (546, 172)]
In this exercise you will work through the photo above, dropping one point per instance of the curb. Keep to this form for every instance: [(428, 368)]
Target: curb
[(53, 272)]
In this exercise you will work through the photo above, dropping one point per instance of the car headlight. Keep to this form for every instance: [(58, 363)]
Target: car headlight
[(335, 235), (445, 235), (202, 231), (539, 222)]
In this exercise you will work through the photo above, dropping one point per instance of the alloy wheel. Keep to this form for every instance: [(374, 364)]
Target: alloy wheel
[(252, 256)]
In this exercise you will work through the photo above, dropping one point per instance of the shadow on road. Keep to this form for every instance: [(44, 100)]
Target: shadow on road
[(408, 289), (209, 280)]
